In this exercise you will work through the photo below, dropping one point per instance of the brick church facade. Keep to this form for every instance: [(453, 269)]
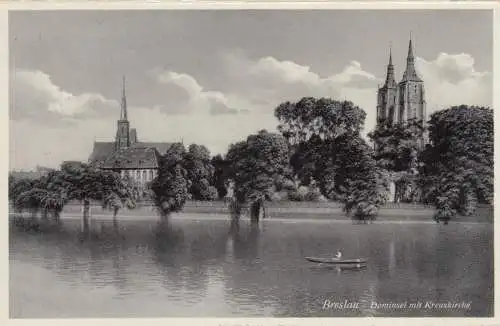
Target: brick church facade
[(126, 155)]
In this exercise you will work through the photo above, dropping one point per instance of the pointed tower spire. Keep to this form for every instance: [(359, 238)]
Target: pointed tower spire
[(410, 73), (390, 53), (410, 49), (390, 82), (123, 115), (122, 139)]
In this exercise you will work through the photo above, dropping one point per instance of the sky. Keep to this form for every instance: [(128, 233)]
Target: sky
[(213, 77)]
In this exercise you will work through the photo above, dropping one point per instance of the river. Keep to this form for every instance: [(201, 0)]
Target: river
[(203, 267)]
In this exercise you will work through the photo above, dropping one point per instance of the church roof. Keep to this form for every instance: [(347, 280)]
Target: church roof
[(162, 148), (101, 151), (105, 151), (139, 155), (133, 158)]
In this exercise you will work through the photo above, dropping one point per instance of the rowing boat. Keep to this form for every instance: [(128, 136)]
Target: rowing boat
[(336, 260)]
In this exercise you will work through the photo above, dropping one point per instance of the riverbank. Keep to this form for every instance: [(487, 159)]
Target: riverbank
[(279, 211)]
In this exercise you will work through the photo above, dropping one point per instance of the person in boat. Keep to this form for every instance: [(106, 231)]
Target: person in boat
[(339, 254)]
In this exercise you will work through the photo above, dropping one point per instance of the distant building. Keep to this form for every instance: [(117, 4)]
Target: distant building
[(39, 171), (43, 171), (404, 101), (24, 174), (127, 155)]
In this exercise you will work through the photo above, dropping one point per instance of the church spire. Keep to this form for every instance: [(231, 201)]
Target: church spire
[(410, 49), (410, 73), (390, 54), (390, 81), (123, 126), (123, 115)]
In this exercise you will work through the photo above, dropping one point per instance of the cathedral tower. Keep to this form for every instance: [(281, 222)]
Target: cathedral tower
[(411, 92), (387, 94), (405, 101), (123, 126)]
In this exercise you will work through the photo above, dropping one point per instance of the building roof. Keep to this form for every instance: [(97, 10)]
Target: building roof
[(104, 150), (101, 151), (132, 158), (162, 148)]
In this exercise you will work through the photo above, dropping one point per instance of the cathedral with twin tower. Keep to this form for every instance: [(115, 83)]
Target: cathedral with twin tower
[(403, 101)]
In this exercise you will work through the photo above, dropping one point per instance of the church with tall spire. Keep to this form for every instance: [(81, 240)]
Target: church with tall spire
[(126, 155), (403, 101), (123, 126)]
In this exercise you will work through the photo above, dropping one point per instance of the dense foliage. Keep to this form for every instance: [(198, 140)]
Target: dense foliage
[(220, 176), (327, 149), (457, 169), (49, 194), (200, 173), (170, 187), (398, 152), (318, 154), (396, 144), (257, 164), (324, 118)]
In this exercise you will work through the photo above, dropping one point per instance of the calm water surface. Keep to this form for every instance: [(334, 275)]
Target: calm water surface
[(205, 268)]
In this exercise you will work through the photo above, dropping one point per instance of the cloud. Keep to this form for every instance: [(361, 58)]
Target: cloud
[(262, 84), (353, 76), (38, 135), (451, 79), (195, 99), (266, 82), (35, 97), (49, 124)]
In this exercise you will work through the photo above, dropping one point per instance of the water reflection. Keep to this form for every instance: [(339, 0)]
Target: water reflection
[(175, 269)]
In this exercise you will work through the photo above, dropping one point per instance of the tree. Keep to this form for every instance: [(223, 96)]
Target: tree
[(49, 194), (170, 187), (255, 165), (324, 118), (85, 184), (310, 125), (351, 176), (17, 186), (395, 144), (52, 202), (398, 151), (327, 148), (28, 200), (220, 176), (200, 172), (458, 164), (34, 195), (125, 195)]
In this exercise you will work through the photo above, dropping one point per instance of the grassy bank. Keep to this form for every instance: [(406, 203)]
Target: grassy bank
[(286, 210)]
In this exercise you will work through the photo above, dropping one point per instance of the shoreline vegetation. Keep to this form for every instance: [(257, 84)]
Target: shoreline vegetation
[(282, 210), (317, 166)]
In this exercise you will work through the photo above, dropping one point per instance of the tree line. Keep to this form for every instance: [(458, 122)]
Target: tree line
[(318, 153)]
